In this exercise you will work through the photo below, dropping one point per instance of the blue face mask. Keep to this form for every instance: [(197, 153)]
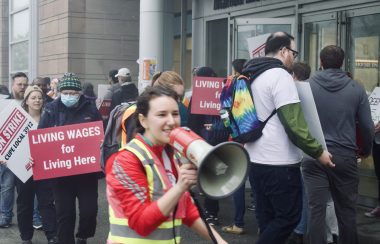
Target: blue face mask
[(69, 100)]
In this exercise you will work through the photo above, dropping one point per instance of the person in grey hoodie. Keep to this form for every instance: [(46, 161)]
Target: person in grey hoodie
[(341, 104)]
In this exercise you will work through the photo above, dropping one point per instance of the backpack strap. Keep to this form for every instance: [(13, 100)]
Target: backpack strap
[(127, 113), (270, 116)]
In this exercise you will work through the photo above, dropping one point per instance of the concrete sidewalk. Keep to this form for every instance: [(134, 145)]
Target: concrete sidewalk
[(368, 228)]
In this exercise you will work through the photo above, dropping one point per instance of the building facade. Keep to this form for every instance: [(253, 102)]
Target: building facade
[(51, 37), (354, 25)]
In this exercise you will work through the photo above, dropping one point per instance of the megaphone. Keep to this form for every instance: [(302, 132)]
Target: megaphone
[(221, 169)]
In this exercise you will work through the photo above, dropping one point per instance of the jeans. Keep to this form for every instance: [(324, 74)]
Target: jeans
[(66, 190), (376, 163), (302, 225), (239, 203), (25, 205), (278, 201), (36, 214), (7, 194), (342, 182)]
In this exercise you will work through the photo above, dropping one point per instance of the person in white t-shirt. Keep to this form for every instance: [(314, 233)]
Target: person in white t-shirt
[(276, 155)]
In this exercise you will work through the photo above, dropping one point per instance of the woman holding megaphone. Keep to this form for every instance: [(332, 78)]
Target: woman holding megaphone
[(147, 191)]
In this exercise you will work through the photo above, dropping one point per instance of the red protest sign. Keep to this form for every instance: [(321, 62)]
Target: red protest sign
[(206, 94), (66, 150), (104, 108)]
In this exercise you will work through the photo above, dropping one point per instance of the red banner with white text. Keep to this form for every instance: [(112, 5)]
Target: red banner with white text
[(66, 150)]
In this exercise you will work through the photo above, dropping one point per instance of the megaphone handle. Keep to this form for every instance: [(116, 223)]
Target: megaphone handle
[(203, 217)]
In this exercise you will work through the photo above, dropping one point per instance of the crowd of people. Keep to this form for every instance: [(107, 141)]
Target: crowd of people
[(295, 198)]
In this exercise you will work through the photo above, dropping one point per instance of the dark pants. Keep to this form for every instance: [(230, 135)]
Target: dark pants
[(211, 206), (66, 190), (239, 203), (278, 201), (342, 181), (25, 207), (376, 162)]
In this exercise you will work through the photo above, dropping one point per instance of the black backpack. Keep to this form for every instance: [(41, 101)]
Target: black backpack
[(119, 131)]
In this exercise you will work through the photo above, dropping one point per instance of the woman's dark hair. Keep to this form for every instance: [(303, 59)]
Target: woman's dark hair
[(301, 71), (88, 89), (4, 90), (142, 105), (238, 65), (205, 71)]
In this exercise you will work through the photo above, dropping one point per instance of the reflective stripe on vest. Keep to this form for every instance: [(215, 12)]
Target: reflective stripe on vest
[(119, 229)]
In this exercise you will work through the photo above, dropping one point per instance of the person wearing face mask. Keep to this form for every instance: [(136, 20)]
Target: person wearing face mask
[(73, 108)]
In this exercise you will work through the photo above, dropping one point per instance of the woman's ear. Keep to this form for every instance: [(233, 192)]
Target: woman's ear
[(143, 122)]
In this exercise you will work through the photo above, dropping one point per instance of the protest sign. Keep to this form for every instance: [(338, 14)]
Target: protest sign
[(256, 45), (15, 125), (102, 90), (206, 95), (104, 108), (66, 150), (374, 103), (310, 112)]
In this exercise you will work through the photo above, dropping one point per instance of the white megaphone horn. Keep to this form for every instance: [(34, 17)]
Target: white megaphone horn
[(221, 169)]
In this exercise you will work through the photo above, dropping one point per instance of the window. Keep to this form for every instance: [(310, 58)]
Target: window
[(217, 46), (19, 35)]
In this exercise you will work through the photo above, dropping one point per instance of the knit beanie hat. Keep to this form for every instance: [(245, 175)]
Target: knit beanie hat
[(69, 81), (31, 89)]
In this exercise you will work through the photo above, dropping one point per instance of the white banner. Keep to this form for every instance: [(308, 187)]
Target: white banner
[(256, 45), (15, 124), (374, 103), (310, 112)]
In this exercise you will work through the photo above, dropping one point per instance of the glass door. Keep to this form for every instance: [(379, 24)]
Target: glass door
[(363, 39), (250, 34), (362, 52), (319, 31)]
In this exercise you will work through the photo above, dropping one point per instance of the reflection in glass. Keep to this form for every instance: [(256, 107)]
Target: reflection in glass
[(20, 26), (246, 31), (363, 51), (217, 46), (19, 56), (317, 36), (17, 4)]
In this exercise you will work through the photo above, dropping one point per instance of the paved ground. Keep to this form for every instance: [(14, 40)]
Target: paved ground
[(369, 229)]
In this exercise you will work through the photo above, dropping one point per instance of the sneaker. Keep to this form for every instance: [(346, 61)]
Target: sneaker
[(295, 238), (211, 220), (37, 226), (233, 229), (251, 207), (375, 213), (4, 224), (53, 240), (27, 242), (81, 241)]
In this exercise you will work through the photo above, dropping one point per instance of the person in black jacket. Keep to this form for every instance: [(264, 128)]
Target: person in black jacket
[(127, 92), (73, 108), (210, 128)]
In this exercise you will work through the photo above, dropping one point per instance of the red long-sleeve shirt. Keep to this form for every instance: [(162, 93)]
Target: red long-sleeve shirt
[(143, 216)]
